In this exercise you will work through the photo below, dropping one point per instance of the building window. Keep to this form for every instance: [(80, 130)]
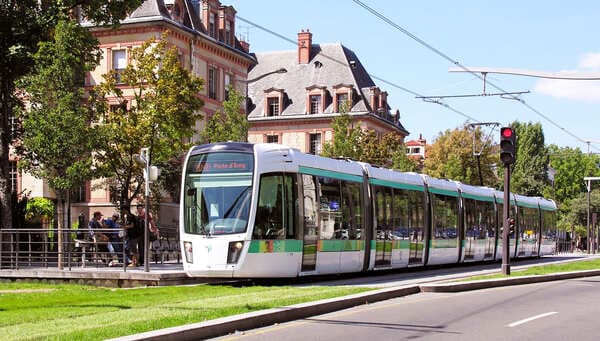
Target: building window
[(212, 26), (78, 194), (13, 176), (315, 144), (315, 104), (272, 139), (272, 106), (13, 126), (227, 85), (228, 32), (119, 63), (342, 102), (212, 83)]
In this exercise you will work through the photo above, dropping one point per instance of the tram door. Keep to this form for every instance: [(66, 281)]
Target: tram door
[(383, 230), (311, 229)]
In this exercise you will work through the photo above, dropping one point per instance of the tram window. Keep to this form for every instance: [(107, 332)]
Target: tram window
[(276, 212), (311, 206), (340, 212), (445, 216)]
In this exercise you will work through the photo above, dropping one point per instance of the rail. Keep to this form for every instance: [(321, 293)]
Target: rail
[(39, 248)]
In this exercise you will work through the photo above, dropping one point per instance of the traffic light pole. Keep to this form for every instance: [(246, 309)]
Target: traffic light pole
[(505, 225)]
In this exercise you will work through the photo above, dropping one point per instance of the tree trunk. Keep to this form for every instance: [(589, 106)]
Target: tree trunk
[(6, 204)]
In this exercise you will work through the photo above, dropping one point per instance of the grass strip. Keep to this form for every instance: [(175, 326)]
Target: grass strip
[(36, 311), (591, 264)]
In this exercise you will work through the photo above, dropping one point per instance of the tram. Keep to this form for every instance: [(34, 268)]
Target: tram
[(267, 210)]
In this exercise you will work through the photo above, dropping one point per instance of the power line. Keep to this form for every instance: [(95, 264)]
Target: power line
[(414, 93), (455, 62)]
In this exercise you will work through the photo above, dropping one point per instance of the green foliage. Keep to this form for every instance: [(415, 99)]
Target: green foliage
[(161, 116), (57, 140), (574, 211), (39, 208), (229, 125), (100, 313), (25, 24), (530, 171), (571, 165), (451, 157), (346, 139), (364, 145)]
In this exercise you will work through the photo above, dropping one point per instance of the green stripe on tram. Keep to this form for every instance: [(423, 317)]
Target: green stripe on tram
[(398, 185), (330, 174), (443, 191), (477, 197), (336, 245), (275, 246)]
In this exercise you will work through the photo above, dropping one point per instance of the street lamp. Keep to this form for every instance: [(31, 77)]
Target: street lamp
[(280, 70), (589, 180)]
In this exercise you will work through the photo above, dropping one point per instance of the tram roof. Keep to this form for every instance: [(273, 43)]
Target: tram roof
[(524, 201), (476, 192), (441, 186), (392, 178), (547, 204)]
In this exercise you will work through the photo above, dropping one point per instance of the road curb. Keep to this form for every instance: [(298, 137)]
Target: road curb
[(257, 319), (262, 318), (499, 282)]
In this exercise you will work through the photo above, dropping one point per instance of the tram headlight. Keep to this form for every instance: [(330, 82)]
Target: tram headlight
[(235, 250), (188, 251)]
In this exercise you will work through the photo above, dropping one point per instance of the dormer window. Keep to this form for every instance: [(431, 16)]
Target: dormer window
[(315, 104), (343, 97), (228, 32), (273, 102), (272, 106), (315, 99), (212, 25)]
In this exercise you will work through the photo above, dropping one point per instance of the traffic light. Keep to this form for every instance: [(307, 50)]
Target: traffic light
[(507, 145)]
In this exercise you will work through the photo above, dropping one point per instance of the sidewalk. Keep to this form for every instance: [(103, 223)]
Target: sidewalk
[(399, 288)]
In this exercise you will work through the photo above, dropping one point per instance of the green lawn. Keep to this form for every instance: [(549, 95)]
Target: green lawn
[(73, 312), (592, 264)]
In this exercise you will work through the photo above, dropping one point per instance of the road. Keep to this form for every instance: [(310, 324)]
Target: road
[(561, 310)]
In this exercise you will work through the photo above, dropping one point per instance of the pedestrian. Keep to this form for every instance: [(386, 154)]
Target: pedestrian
[(116, 239), (96, 233)]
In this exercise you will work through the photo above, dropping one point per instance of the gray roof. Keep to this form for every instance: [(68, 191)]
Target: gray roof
[(155, 10), (330, 65)]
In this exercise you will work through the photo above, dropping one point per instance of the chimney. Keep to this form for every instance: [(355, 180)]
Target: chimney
[(304, 43), (245, 46)]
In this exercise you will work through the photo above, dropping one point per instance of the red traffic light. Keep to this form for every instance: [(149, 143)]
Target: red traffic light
[(506, 132)]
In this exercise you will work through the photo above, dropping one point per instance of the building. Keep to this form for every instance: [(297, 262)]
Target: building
[(296, 107), (204, 33), (417, 150)]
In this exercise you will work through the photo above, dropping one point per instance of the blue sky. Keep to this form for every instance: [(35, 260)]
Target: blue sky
[(551, 36)]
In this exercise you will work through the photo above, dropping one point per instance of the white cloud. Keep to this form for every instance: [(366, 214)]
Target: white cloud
[(586, 91)]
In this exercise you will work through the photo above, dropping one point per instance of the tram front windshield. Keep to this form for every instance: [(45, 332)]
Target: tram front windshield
[(218, 190)]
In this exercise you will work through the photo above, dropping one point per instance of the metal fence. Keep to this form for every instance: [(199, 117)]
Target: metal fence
[(39, 248)]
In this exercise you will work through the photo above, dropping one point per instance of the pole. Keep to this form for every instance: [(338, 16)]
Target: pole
[(145, 155), (589, 185), (505, 226)]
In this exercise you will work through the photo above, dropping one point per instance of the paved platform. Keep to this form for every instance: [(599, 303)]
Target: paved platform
[(158, 275)]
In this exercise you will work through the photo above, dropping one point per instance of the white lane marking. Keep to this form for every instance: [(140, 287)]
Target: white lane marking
[(529, 319)]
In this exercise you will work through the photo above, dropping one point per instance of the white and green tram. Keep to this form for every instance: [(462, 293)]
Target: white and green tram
[(267, 210)]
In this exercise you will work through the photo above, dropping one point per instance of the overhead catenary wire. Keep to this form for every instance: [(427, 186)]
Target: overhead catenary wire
[(458, 64), (402, 88)]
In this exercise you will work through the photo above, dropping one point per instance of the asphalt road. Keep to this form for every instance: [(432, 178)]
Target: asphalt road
[(561, 310)]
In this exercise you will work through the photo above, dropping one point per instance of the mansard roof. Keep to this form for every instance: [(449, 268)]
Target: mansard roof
[(330, 65)]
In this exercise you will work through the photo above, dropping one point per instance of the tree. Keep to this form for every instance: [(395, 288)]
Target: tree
[(161, 115), (230, 124), (57, 138), (570, 166), (24, 24), (346, 139), (574, 213), (388, 151), (530, 171), (451, 157)]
